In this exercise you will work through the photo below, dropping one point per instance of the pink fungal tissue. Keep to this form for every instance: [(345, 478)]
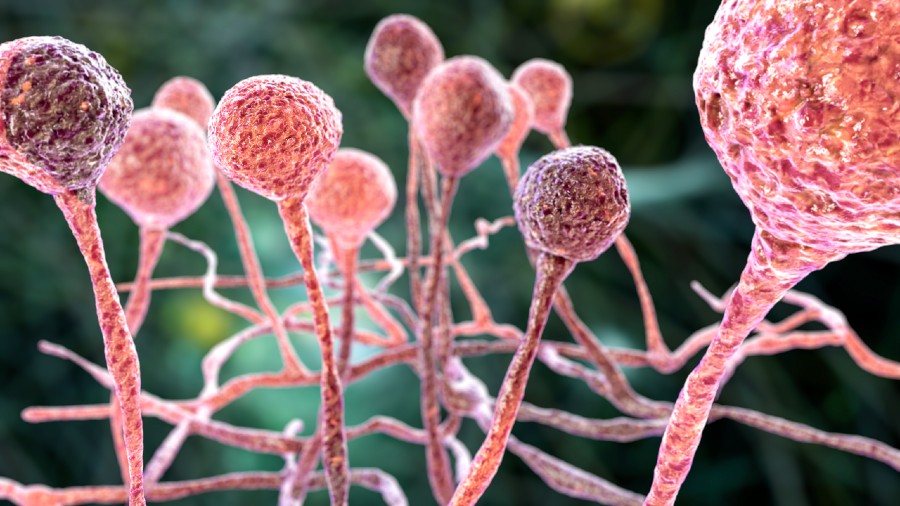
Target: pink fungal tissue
[(799, 100)]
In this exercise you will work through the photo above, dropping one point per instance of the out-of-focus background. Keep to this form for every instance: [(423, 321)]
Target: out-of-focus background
[(631, 61)]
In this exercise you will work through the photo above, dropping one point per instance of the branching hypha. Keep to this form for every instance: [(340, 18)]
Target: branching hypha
[(813, 162)]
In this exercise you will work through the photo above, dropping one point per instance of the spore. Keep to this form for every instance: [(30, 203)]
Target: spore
[(572, 203), (187, 96), (64, 108), (274, 135), (163, 172), (461, 113), (353, 196)]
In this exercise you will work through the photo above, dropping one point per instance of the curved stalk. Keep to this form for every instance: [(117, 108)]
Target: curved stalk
[(438, 462), (773, 268), (551, 271), (121, 355), (334, 451)]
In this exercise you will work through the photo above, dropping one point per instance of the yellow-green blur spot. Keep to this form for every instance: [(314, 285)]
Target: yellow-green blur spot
[(191, 317)]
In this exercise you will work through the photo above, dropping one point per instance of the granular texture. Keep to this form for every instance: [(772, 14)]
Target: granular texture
[(461, 113), (274, 135), (353, 196), (64, 108), (163, 172), (572, 203), (799, 100), (401, 52), (187, 96), (523, 115), (550, 88)]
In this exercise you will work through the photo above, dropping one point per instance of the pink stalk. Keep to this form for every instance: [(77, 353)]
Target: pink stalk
[(551, 271), (438, 462), (346, 258), (656, 346), (772, 269), (151, 246), (121, 355), (413, 222), (334, 451)]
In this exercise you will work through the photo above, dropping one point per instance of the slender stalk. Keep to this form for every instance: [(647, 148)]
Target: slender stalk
[(551, 271), (511, 170), (306, 463), (348, 257), (560, 139), (152, 242), (296, 223), (151, 246), (413, 222), (438, 462), (773, 268), (121, 355), (657, 351), (117, 430)]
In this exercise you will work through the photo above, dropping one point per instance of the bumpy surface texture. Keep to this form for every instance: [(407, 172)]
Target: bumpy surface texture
[(550, 88), (572, 203), (353, 197), (401, 52), (63, 108), (523, 115), (800, 102), (187, 96), (163, 172), (461, 113), (274, 135)]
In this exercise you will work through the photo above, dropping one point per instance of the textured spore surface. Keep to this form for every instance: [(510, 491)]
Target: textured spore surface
[(400, 53), (461, 113), (799, 100), (187, 96), (549, 86), (274, 135), (64, 108), (353, 196), (163, 172), (572, 203)]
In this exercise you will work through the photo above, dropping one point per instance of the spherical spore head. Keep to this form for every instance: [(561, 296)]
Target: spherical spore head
[(274, 135), (550, 87), (572, 203), (523, 116), (401, 52), (461, 113), (62, 107), (163, 172), (799, 102), (187, 96), (353, 197)]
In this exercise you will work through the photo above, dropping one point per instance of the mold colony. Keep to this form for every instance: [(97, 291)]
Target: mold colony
[(800, 114)]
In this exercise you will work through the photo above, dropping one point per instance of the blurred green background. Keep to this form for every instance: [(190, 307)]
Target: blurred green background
[(631, 61)]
